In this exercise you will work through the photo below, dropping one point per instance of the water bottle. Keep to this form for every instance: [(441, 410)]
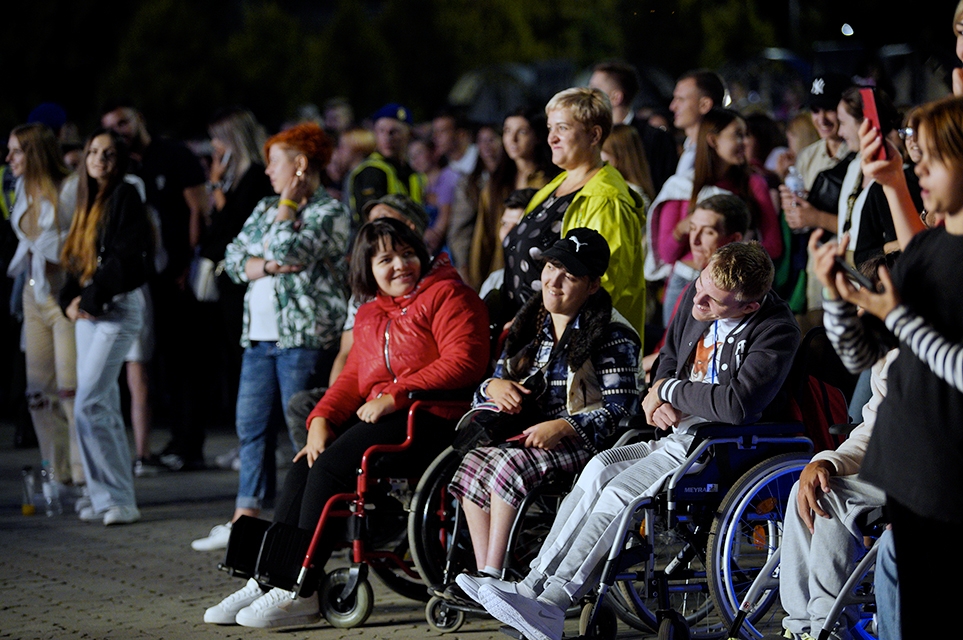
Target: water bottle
[(27, 507), (51, 491), (795, 183)]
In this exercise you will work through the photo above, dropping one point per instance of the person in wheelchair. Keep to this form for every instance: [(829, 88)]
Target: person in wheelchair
[(585, 355), (726, 355), (822, 540), (423, 329)]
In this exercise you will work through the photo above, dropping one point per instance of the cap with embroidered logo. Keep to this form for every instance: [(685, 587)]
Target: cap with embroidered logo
[(826, 90), (583, 252)]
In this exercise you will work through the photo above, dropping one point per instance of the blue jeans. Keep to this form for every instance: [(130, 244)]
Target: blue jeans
[(102, 345), (887, 589), (268, 375)]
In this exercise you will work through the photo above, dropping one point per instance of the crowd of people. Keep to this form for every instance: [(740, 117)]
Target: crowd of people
[(572, 263)]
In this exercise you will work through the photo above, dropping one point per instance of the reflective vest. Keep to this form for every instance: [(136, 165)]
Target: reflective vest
[(415, 189)]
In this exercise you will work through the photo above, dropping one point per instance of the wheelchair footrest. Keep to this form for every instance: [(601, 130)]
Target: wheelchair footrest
[(281, 555), (243, 546)]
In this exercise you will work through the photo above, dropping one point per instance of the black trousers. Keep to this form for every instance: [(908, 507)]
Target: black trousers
[(307, 489), (930, 569)]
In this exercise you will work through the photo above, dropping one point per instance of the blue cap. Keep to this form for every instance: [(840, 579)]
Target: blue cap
[(393, 110), (50, 114)]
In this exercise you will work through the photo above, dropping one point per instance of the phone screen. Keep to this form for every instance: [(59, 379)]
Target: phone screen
[(870, 113)]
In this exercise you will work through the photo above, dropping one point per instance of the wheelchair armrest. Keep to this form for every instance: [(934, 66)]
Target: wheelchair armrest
[(842, 429), (438, 395), (707, 430)]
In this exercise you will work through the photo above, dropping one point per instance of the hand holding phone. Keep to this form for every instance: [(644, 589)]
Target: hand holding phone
[(853, 274), (870, 112)]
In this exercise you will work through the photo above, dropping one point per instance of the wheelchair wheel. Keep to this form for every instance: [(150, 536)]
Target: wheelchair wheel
[(350, 612), (744, 536), (443, 618), (431, 520), (679, 551), (388, 532), (606, 626)]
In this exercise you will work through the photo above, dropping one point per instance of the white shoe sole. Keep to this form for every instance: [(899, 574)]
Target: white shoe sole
[(261, 623), (505, 612)]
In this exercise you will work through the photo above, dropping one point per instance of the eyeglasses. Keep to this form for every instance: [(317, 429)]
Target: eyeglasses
[(906, 133)]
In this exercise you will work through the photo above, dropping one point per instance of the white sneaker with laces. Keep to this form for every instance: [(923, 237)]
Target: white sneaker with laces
[(226, 610), (537, 620), (277, 608), (216, 539), (121, 514)]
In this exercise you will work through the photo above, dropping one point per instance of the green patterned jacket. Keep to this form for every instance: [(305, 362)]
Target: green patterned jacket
[(312, 303)]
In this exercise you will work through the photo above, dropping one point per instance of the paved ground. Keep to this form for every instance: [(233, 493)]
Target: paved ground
[(65, 579)]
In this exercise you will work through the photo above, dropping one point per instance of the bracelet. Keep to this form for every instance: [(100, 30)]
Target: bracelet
[(284, 202), (215, 186), (264, 267)]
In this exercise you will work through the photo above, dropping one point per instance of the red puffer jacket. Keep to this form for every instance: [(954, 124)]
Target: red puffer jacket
[(436, 337)]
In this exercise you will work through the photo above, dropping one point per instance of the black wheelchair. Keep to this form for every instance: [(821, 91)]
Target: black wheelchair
[(374, 521)]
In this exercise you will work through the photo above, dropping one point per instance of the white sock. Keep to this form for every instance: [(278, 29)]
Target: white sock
[(492, 571)]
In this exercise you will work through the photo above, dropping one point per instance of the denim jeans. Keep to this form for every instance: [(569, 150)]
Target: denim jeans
[(268, 375), (887, 589), (102, 345)]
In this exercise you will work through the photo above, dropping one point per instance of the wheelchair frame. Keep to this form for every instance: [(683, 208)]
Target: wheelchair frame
[(677, 578), (345, 595)]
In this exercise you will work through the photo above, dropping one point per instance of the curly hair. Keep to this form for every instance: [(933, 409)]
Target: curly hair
[(306, 138)]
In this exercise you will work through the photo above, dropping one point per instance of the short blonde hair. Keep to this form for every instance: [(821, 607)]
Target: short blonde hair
[(743, 268), (590, 107)]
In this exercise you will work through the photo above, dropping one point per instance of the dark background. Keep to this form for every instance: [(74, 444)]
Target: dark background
[(180, 60)]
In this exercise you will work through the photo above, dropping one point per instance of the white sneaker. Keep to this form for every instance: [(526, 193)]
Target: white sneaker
[(216, 539), (471, 583), (123, 514), (83, 502), (537, 620), (87, 514), (226, 610), (276, 608)]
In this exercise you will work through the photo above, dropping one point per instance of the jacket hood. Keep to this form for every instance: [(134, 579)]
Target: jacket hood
[(439, 271)]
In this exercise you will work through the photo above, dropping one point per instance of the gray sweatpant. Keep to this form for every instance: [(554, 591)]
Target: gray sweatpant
[(814, 567), (572, 556)]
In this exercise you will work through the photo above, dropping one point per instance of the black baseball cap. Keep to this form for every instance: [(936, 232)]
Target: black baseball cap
[(826, 90), (583, 252)]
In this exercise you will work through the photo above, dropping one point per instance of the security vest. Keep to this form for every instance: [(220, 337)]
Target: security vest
[(414, 189)]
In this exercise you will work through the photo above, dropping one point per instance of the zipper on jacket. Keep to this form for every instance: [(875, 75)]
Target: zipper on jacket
[(394, 378)]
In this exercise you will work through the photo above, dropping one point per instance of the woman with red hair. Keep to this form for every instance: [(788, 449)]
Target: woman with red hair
[(291, 255)]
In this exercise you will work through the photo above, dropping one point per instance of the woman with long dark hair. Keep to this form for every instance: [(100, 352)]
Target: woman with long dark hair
[(721, 166), (525, 163), (107, 255)]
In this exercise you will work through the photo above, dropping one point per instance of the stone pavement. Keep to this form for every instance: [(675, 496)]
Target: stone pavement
[(67, 579)]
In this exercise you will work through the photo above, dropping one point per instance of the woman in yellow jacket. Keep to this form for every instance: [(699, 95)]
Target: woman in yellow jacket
[(588, 193)]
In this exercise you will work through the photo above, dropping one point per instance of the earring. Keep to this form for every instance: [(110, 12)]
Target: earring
[(298, 173)]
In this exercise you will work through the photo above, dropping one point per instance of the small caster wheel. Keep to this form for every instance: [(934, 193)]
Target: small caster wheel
[(673, 628), (443, 618), (351, 612), (605, 627)]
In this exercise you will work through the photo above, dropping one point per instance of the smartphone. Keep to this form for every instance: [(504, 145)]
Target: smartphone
[(853, 274), (520, 436), (868, 95)]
